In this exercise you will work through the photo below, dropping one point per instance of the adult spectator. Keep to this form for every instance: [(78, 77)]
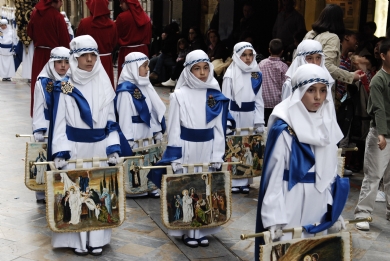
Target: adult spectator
[(369, 39), (217, 49), (168, 53), (288, 22), (195, 39), (134, 30), (48, 30), (328, 29), (103, 31)]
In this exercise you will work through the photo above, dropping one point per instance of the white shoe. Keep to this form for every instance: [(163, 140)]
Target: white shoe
[(348, 172), (380, 196), (363, 226), (170, 82)]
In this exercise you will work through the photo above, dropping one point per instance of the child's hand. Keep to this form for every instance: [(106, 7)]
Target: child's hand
[(358, 74), (381, 142)]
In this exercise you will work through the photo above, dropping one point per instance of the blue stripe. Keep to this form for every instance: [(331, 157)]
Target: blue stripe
[(196, 135), (196, 61), (320, 80), (135, 60), (245, 106), (84, 50)]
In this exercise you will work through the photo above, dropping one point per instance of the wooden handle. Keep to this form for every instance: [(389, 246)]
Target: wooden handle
[(89, 160)]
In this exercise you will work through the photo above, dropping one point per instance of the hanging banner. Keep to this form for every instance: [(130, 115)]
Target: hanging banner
[(35, 174)]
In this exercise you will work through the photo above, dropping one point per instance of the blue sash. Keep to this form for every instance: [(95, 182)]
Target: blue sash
[(245, 106), (256, 83), (310, 177), (90, 135), (44, 82), (196, 135), (139, 102)]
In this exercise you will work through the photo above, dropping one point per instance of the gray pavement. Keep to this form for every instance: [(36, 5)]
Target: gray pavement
[(24, 233)]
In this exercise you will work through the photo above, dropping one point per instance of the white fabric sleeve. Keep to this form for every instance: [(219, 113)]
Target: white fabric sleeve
[(38, 120), (173, 125), (60, 140), (155, 124), (227, 86), (219, 140), (273, 209), (286, 89), (113, 137), (259, 108), (126, 110)]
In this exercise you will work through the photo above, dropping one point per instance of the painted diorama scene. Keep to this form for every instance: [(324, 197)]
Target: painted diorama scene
[(136, 181), (324, 248), (35, 174), (249, 150), (86, 199), (198, 200)]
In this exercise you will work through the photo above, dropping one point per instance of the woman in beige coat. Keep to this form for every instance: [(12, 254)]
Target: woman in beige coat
[(328, 29)]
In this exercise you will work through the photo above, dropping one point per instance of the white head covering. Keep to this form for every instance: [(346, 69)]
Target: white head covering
[(320, 129), (188, 79), (240, 72), (130, 73), (308, 47), (63, 14), (58, 53), (103, 90), (3, 21)]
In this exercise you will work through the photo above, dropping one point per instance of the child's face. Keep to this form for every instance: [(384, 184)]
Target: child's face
[(87, 61), (144, 69), (314, 97), (314, 59), (3, 26), (182, 46), (201, 71), (247, 57), (61, 66)]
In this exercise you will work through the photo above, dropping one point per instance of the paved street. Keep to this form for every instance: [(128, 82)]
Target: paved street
[(24, 234)]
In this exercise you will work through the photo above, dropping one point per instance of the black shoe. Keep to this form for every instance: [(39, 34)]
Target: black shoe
[(187, 241), (244, 190), (203, 244), (6, 79), (43, 201)]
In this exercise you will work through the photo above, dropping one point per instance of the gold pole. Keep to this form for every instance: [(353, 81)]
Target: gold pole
[(186, 165), (350, 149), (27, 136), (89, 160), (244, 236)]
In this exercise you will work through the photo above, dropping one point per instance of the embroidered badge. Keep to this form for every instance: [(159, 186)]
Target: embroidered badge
[(291, 131), (211, 101), (66, 87), (49, 87), (254, 75), (137, 94)]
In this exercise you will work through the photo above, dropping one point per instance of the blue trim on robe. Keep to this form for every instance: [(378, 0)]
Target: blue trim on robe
[(140, 104), (18, 57), (90, 135), (256, 83), (301, 160), (170, 154), (44, 82), (221, 104), (41, 129), (310, 177), (114, 148), (245, 106)]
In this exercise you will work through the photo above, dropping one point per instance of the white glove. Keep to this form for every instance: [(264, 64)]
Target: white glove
[(59, 162), (158, 136), (259, 128), (276, 232), (228, 131), (113, 158), (131, 143), (38, 136), (176, 166), (337, 226), (215, 165)]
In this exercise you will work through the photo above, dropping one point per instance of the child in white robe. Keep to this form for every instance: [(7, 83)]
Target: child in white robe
[(242, 84), (308, 51), (140, 109), (196, 128), (300, 185), (8, 41), (54, 70), (72, 138)]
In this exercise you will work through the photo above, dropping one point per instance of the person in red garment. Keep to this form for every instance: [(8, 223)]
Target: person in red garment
[(48, 30), (134, 30), (103, 31)]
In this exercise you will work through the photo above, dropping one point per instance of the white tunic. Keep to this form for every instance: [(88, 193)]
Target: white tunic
[(286, 89), (126, 109), (302, 205), (68, 114), (28, 54), (39, 121), (7, 65)]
